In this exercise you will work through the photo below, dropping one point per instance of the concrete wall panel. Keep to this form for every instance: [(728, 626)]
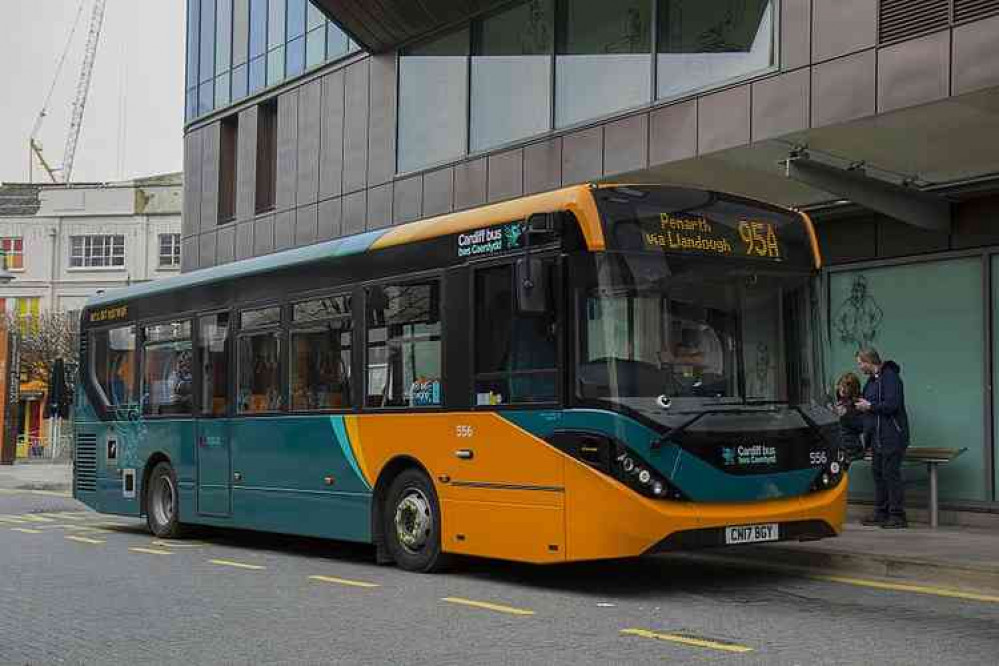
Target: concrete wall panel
[(723, 120), (626, 145), (306, 225), (331, 152), (543, 166), (795, 33), (225, 250), (246, 163), (287, 150), (355, 139), (284, 230), (310, 102), (506, 175), (381, 138), (407, 200), (329, 220), (263, 235), (354, 212), (976, 55), (244, 240), (379, 207), (191, 218), (470, 184), (843, 26), (843, 89), (206, 249), (780, 105), (438, 192), (583, 155), (211, 137), (189, 254), (914, 72), (673, 133)]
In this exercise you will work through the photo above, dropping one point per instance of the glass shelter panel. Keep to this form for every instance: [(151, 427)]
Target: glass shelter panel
[(702, 44), (903, 311)]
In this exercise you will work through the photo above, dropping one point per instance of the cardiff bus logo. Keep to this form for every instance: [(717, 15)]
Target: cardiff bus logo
[(728, 455)]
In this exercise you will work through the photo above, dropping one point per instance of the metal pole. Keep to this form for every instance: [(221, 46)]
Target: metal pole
[(934, 518)]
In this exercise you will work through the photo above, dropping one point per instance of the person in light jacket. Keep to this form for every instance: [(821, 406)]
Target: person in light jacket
[(887, 426)]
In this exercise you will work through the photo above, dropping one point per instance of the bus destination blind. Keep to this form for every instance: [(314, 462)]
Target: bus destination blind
[(695, 234)]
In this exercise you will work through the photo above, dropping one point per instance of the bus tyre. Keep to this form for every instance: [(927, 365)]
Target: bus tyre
[(412, 523), (162, 505)]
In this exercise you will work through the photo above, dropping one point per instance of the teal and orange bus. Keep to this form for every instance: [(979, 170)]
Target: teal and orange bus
[(596, 372)]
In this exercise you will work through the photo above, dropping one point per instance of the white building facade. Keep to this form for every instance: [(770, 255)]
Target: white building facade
[(64, 243)]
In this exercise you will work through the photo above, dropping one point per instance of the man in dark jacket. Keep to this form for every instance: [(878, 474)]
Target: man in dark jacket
[(887, 427)]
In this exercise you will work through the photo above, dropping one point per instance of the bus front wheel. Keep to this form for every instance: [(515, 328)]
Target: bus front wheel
[(412, 523), (162, 504)]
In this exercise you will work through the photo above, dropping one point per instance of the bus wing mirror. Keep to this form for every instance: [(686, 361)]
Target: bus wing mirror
[(532, 286)]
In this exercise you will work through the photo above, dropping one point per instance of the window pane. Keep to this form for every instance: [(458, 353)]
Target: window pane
[(321, 308), (174, 330), (191, 110), (206, 98), (314, 17), (193, 16), (336, 41), (275, 66), (214, 342), (511, 74), (223, 36), (258, 318), (433, 76), (703, 44), (315, 47), (167, 384), (320, 367), (114, 364), (493, 312), (259, 367), (295, 63), (240, 31), (239, 82), (275, 23), (207, 50), (258, 27), (404, 346), (258, 71), (603, 62), (296, 19), (221, 91)]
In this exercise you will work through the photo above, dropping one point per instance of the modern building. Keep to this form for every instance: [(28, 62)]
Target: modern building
[(879, 117), (64, 243)]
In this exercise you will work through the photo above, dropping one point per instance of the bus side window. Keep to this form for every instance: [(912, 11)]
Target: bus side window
[(167, 372), (515, 354), (259, 361), (113, 359), (213, 342), (404, 345), (320, 343)]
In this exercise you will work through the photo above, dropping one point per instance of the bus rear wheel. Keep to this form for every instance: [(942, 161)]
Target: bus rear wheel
[(162, 503), (412, 523)]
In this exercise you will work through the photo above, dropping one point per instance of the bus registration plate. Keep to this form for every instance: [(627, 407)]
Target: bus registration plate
[(751, 533)]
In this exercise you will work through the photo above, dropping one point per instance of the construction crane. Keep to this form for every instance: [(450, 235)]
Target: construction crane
[(65, 172)]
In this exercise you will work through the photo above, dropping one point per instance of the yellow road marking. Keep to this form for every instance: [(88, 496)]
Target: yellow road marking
[(13, 520), (151, 551), (240, 565), (688, 640), (84, 539), (905, 587), (35, 518), (343, 581), (172, 544), (488, 606), (26, 530)]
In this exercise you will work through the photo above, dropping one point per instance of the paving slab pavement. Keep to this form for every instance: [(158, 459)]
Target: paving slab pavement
[(55, 477)]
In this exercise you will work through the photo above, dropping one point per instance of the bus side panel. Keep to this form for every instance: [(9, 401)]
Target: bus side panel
[(297, 476), (501, 489)]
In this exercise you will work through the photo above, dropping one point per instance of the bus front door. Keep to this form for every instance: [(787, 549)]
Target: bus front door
[(214, 468)]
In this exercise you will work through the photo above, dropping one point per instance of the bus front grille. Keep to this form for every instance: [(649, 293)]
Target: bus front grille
[(85, 468)]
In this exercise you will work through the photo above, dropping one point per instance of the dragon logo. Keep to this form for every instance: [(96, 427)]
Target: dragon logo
[(513, 233), (728, 455)]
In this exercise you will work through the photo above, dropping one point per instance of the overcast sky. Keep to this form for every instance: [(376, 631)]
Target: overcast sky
[(133, 123)]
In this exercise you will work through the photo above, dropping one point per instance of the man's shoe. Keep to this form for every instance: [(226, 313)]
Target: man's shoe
[(874, 520), (895, 523)]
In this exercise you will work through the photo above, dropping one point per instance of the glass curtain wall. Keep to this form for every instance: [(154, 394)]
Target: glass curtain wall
[(236, 48), (548, 64)]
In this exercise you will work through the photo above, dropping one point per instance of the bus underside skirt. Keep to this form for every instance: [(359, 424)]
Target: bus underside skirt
[(802, 530)]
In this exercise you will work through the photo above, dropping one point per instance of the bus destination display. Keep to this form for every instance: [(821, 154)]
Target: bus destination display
[(751, 239)]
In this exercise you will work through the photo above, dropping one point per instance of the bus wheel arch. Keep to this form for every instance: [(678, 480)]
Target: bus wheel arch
[(381, 497)]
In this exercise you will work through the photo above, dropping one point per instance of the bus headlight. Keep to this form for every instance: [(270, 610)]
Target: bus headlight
[(642, 477)]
